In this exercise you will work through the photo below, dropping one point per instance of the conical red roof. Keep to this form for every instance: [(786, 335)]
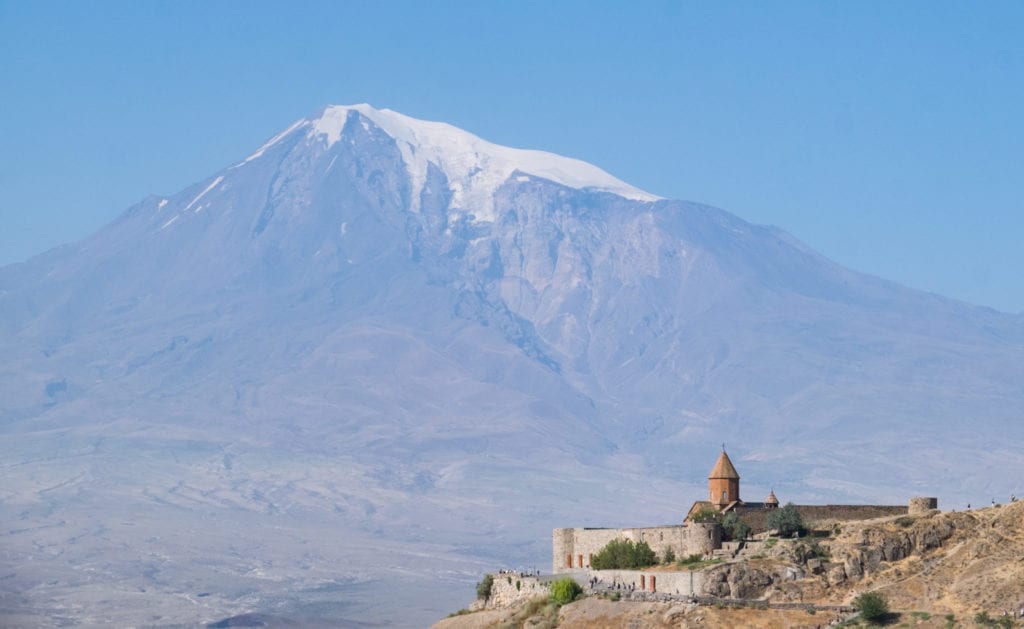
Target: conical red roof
[(723, 468)]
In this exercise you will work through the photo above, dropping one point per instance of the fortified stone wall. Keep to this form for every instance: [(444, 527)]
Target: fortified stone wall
[(562, 549), (574, 548), (822, 515), (701, 539), (813, 514), (666, 582)]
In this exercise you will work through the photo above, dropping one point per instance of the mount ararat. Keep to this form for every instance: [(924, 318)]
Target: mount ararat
[(380, 356)]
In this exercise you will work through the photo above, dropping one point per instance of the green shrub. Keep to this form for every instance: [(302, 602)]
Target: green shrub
[(786, 521), (670, 556), (904, 522), (621, 554), (872, 607), (950, 620), (518, 584), (706, 515), (483, 589), (565, 590), (771, 542)]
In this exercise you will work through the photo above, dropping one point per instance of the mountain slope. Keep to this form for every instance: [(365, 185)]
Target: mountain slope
[(395, 331)]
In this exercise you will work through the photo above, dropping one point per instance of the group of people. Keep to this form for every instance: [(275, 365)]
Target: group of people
[(614, 585), (1013, 498), (519, 573)]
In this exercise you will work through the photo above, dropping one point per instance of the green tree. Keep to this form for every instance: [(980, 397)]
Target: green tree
[(670, 556), (565, 590), (623, 554), (734, 527), (872, 607), (786, 521), (483, 589), (706, 515)]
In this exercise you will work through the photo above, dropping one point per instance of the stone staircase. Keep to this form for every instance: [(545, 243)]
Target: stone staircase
[(727, 551)]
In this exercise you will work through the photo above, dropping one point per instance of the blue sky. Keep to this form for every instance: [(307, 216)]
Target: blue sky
[(889, 136)]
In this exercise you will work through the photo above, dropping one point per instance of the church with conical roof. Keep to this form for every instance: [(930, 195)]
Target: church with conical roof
[(724, 483), (724, 490)]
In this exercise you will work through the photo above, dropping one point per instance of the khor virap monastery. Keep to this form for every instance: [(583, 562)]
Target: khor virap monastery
[(573, 548)]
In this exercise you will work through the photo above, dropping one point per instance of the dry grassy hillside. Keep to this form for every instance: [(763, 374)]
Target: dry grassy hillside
[(979, 567), (927, 566)]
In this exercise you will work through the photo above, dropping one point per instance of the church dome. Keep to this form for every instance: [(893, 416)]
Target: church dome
[(723, 468)]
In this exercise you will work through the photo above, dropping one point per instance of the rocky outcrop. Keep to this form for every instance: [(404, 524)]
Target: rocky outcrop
[(749, 580), (510, 589), (862, 551), (871, 546)]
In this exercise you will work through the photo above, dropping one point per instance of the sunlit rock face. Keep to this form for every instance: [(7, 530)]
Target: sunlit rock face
[(382, 348)]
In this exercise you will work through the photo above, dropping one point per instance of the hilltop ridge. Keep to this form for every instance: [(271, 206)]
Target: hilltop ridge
[(927, 566)]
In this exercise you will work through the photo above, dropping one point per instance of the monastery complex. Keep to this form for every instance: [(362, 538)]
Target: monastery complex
[(573, 548)]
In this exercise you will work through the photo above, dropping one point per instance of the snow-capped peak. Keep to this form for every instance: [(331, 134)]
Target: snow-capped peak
[(475, 168)]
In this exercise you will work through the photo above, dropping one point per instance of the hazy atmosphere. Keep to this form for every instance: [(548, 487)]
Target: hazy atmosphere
[(313, 314)]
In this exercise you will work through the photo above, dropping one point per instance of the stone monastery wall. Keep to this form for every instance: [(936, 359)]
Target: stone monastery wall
[(814, 514), (679, 582), (572, 549), (824, 515)]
